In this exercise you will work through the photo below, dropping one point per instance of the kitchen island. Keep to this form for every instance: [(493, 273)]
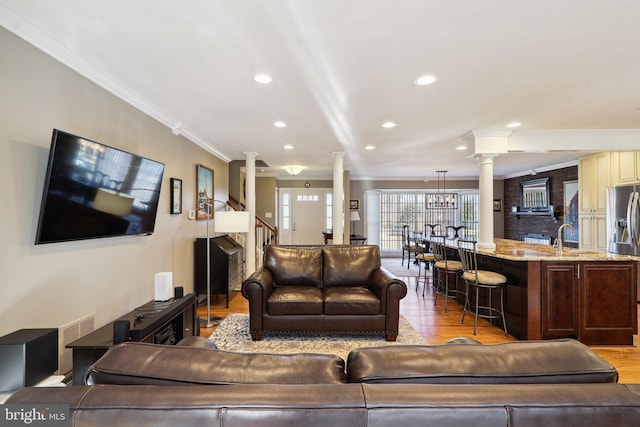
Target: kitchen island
[(589, 296)]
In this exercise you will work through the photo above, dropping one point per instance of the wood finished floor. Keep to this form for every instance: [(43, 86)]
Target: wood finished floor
[(437, 327)]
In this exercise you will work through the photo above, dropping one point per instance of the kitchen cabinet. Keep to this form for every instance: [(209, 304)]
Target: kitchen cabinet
[(593, 302), (625, 168), (593, 179), (560, 300), (592, 232)]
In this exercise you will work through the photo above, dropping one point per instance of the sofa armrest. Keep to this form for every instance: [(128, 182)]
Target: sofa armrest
[(388, 288), (257, 287)]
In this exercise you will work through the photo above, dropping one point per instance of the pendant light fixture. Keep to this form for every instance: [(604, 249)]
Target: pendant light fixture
[(441, 199)]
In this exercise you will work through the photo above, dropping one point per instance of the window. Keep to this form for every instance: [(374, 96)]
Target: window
[(286, 211), (329, 212), (396, 209), (469, 215)]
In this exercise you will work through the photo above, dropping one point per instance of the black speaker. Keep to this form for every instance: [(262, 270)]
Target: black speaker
[(178, 292), (28, 356), (121, 329)]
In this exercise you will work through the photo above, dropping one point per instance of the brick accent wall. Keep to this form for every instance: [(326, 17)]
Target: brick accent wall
[(514, 227)]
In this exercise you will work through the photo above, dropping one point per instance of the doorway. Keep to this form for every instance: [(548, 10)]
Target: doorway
[(304, 215)]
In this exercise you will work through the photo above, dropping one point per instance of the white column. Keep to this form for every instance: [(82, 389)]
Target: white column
[(486, 203), (250, 201), (338, 197)]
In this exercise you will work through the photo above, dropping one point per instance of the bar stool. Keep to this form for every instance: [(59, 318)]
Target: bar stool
[(442, 265), (427, 258), (480, 280)]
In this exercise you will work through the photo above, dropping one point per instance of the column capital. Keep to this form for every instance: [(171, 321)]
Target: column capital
[(338, 154), (250, 154), (492, 141)]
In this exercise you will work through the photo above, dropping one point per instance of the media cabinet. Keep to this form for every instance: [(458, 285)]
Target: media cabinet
[(158, 322)]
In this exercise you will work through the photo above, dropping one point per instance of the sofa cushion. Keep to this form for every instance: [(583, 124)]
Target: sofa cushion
[(350, 300), (141, 363), (349, 265), (294, 265), (537, 362), (290, 300)]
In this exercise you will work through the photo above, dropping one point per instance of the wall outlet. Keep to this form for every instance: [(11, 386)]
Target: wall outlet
[(192, 214)]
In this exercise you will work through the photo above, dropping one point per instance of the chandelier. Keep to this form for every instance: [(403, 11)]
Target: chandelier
[(441, 199)]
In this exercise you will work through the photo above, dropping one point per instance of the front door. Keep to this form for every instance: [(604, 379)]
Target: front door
[(308, 219)]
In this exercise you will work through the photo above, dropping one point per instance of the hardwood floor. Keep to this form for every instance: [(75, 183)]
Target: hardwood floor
[(437, 327)]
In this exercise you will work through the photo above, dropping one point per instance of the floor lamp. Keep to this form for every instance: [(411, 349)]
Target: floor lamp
[(225, 222)]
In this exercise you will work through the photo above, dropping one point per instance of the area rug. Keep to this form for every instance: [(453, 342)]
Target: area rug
[(394, 265), (233, 335)]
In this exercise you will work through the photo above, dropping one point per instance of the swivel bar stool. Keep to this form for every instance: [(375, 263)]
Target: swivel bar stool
[(443, 266), (478, 280)]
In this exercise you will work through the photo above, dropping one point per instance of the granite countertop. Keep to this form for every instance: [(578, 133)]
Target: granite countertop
[(516, 250)]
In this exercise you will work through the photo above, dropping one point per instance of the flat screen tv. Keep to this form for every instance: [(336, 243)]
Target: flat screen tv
[(92, 190)]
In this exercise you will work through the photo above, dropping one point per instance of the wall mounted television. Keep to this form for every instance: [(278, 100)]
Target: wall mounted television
[(92, 190)]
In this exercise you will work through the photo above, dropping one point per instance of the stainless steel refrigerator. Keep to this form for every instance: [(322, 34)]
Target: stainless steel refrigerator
[(623, 220)]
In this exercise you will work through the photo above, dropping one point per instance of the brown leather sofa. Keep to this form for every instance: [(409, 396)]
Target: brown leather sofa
[(524, 384), (331, 288)]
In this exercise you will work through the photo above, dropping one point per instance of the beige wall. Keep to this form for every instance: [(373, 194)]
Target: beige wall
[(266, 199), (51, 285)]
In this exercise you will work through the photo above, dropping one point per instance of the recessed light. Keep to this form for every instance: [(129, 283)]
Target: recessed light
[(262, 78), (461, 147), (280, 124), (425, 80), (370, 147), (288, 147), (389, 125), (514, 125)]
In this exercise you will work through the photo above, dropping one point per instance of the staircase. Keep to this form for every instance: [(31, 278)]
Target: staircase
[(265, 233)]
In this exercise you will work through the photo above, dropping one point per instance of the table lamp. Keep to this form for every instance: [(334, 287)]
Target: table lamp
[(353, 216)]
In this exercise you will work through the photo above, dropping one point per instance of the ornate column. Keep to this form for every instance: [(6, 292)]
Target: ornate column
[(487, 145), (485, 240), (338, 197), (250, 201)]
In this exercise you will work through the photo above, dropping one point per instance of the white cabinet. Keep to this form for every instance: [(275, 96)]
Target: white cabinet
[(625, 168), (593, 231), (594, 176)]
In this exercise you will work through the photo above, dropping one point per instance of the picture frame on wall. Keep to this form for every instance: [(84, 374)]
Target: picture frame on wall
[(176, 196), (571, 211), (354, 204), (204, 193), (497, 205)]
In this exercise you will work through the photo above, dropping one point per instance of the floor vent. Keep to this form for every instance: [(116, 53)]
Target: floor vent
[(69, 333)]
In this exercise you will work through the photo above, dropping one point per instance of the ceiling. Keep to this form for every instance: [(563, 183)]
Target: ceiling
[(341, 68)]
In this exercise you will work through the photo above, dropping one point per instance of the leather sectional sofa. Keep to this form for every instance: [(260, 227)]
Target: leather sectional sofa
[(518, 384), (334, 288)]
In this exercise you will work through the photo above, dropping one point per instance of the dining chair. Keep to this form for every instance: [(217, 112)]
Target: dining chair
[(409, 245)]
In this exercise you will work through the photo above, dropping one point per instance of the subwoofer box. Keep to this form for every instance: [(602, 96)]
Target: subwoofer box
[(28, 356)]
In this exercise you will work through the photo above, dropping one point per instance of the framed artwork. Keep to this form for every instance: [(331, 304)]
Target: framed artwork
[(354, 204), (571, 211), (497, 205), (204, 196), (176, 196)]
